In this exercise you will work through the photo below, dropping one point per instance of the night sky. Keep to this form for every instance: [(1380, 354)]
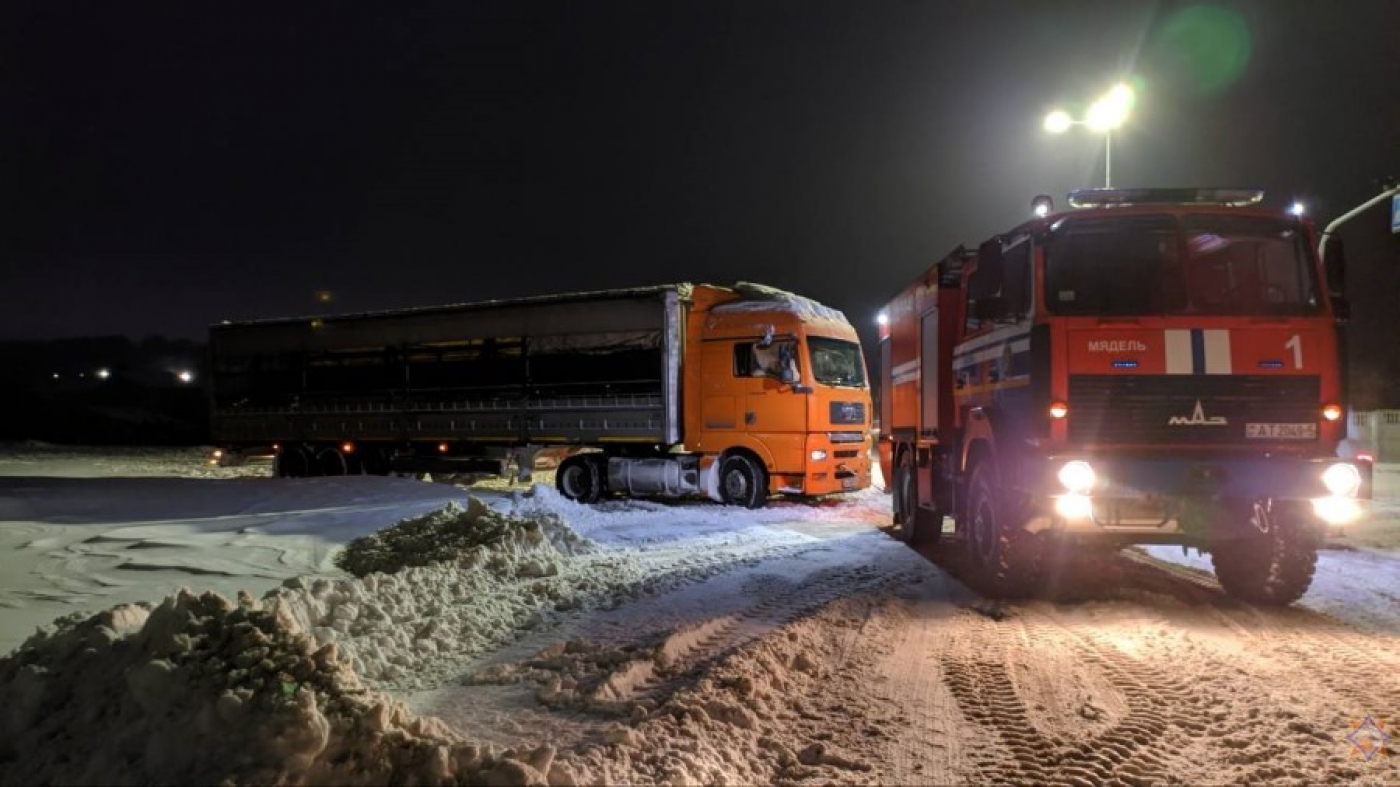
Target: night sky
[(170, 165)]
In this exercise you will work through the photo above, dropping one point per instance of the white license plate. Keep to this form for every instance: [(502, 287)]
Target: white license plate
[(848, 483), (1280, 431)]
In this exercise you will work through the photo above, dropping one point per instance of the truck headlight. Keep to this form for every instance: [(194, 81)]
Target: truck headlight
[(819, 455), (1342, 480), (1078, 477)]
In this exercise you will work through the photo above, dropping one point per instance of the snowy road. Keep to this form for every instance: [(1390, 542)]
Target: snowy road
[(795, 644)]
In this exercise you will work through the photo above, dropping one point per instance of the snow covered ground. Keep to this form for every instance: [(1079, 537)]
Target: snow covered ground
[(643, 642)]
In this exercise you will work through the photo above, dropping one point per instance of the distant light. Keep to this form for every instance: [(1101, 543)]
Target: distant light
[(185, 376), (882, 319), (1297, 209), (103, 374), (347, 447), (325, 296), (55, 375), (1058, 122)]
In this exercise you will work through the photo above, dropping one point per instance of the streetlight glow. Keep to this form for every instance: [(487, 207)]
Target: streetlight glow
[(1107, 113), (1058, 122)]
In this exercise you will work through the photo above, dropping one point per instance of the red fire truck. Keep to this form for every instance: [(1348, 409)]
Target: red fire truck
[(1153, 366)]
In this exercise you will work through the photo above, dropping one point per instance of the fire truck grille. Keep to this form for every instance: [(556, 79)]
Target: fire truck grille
[(1184, 409)]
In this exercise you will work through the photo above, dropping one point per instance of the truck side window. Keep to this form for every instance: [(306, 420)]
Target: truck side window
[(753, 360)]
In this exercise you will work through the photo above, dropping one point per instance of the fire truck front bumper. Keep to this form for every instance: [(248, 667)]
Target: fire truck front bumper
[(1179, 497)]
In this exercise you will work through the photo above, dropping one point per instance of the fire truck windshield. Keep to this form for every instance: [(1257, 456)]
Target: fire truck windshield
[(1169, 265), (836, 362)]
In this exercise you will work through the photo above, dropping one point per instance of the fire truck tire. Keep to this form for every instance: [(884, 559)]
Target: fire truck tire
[(742, 482), (578, 479), (1274, 566), (916, 526), (1006, 556)]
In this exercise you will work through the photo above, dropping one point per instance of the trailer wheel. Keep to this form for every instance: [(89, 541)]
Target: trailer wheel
[(578, 479), (293, 463), (742, 482), (375, 461), (1274, 563), (915, 525), (1006, 556), (331, 462)]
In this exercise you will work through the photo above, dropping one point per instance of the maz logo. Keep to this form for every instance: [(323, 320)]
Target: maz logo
[(1198, 418)]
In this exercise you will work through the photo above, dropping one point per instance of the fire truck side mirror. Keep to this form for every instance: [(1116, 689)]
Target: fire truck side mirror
[(989, 309), (985, 281), (1334, 263)]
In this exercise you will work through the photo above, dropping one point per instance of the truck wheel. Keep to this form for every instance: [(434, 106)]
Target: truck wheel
[(916, 526), (332, 462), (1274, 563), (577, 479), (742, 482), (1006, 556), (293, 463)]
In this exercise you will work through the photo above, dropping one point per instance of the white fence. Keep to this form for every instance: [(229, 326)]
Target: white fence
[(1379, 428)]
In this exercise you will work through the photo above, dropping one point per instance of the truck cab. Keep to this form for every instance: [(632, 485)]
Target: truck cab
[(1155, 366)]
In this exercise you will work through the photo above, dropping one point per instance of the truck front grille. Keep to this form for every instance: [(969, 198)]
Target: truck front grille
[(1190, 409)]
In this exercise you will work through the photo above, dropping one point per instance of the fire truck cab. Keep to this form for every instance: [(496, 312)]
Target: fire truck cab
[(1151, 366)]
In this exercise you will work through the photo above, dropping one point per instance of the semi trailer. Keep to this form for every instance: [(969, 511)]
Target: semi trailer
[(734, 392)]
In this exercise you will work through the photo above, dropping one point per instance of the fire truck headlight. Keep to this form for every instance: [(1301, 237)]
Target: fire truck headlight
[(1072, 506), (819, 455), (1342, 480), (1331, 411), (1078, 477), (1336, 510)]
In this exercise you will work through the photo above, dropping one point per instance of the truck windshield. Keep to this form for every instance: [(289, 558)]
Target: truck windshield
[(1162, 265), (836, 362)]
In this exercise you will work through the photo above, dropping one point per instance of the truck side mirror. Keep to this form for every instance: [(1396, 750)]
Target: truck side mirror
[(988, 309), (787, 363), (1334, 264), (986, 281)]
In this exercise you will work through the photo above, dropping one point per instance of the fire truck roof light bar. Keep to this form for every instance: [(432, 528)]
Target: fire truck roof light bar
[(1108, 198)]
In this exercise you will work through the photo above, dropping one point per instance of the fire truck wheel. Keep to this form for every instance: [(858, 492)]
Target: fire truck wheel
[(577, 479), (916, 526), (742, 482), (1274, 564), (1006, 556)]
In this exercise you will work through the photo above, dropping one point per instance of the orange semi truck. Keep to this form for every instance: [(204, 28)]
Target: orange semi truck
[(1154, 366), (735, 392)]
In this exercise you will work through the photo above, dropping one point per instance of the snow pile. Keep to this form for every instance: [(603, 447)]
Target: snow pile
[(445, 535), (407, 628), (203, 690)]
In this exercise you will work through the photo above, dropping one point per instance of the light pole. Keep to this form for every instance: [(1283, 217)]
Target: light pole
[(1106, 114)]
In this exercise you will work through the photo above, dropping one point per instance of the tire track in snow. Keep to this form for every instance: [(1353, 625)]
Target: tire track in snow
[(688, 651), (1127, 751), (1352, 664)]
